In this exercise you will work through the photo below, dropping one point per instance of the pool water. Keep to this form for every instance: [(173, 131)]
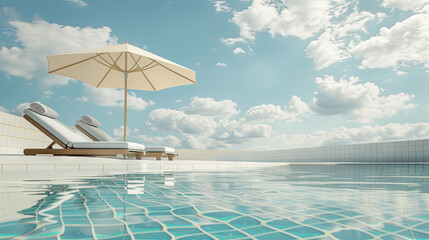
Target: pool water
[(291, 202)]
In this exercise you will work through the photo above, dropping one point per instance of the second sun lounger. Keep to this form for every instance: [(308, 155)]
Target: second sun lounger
[(89, 126)]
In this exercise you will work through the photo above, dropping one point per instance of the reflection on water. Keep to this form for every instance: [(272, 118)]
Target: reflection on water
[(293, 202), (135, 186), (169, 179)]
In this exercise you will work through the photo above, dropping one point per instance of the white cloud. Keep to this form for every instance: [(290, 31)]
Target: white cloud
[(48, 93), (326, 50), (221, 6), (210, 107), (113, 97), (249, 50), (177, 121), (3, 109), (18, 110), (178, 101), (119, 132), (170, 140), (364, 134), (205, 123), (39, 39), (82, 99), (304, 19), (405, 42), (405, 5), (237, 131), (330, 47), (193, 143), (136, 103), (299, 18), (359, 102), (80, 3), (238, 51), (256, 17), (13, 62), (356, 22), (221, 64), (8, 14), (400, 73), (269, 112), (253, 131), (231, 41)]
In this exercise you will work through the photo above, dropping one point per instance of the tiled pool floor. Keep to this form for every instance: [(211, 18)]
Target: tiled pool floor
[(290, 202)]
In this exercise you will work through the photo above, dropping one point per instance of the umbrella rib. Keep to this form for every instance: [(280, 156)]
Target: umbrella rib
[(108, 71), (115, 66), (171, 70), (148, 81), (144, 75), (131, 69), (87, 59), (107, 63), (102, 63), (147, 65), (144, 69)]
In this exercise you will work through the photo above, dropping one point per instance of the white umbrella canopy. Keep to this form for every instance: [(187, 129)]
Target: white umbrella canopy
[(121, 66)]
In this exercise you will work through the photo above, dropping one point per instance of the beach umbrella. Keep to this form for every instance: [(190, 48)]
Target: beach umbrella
[(121, 66)]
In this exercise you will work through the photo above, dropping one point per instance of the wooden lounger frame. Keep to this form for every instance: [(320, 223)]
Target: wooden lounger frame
[(66, 151), (157, 155)]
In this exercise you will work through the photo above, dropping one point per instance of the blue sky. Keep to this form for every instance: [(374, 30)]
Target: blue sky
[(271, 74)]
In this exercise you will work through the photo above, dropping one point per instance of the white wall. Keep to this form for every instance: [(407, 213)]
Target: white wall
[(386, 152), (16, 134), (211, 155)]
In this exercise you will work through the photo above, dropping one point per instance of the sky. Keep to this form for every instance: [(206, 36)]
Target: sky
[(271, 74)]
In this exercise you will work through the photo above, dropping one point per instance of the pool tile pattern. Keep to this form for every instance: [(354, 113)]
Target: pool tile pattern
[(297, 202)]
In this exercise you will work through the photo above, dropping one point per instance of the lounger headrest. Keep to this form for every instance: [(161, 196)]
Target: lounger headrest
[(90, 121), (43, 110)]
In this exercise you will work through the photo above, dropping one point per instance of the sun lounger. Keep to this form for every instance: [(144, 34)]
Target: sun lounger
[(73, 144), (89, 126)]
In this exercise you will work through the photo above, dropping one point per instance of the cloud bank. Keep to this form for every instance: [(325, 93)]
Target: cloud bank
[(38, 39)]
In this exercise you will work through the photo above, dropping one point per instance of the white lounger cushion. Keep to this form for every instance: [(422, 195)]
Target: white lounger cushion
[(43, 109), (167, 150), (99, 134), (108, 145), (90, 121), (55, 127)]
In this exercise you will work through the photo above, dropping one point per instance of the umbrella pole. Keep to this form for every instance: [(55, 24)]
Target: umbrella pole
[(125, 107)]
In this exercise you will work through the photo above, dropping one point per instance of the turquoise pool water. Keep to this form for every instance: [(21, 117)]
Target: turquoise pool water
[(291, 202)]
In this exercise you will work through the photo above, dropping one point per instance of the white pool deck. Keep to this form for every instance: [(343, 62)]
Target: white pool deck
[(71, 165)]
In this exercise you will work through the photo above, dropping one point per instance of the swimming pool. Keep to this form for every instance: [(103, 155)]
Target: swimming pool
[(290, 202)]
